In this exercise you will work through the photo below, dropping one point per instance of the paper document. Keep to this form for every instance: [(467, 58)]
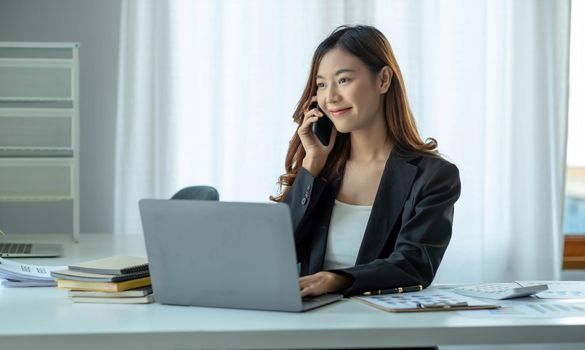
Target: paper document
[(536, 309), (431, 299), (33, 275), (21, 284), (559, 289)]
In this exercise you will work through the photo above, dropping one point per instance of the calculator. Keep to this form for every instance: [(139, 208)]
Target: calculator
[(500, 290)]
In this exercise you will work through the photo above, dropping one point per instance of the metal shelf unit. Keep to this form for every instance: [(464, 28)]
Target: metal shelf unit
[(39, 132)]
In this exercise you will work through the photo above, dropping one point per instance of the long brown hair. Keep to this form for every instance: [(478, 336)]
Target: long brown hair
[(373, 49)]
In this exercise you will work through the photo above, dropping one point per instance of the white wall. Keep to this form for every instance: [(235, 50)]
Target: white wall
[(95, 24)]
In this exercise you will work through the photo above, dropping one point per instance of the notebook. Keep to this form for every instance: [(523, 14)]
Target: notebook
[(104, 286), (147, 299), (114, 265), (97, 277), (138, 292), (224, 254)]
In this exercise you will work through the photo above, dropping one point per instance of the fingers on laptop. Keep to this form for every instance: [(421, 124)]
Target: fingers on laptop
[(315, 285)]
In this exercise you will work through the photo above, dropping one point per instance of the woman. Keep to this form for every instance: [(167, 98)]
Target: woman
[(373, 209)]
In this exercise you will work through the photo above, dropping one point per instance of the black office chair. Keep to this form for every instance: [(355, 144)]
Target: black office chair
[(206, 193)]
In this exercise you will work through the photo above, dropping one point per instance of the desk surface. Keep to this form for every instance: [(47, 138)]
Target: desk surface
[(45, 317)]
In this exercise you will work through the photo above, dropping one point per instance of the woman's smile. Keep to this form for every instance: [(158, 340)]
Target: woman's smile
[(339, 112)]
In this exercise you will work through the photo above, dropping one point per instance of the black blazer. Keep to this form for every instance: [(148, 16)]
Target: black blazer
[(408, 230)]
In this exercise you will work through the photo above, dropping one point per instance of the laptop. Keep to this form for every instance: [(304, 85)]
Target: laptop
[(224, 254), (28, 250)]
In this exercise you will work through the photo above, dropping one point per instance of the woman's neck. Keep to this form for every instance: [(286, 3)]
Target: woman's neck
[(371, 144)]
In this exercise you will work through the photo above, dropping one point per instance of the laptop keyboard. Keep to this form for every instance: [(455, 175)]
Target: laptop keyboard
[(15, 248)]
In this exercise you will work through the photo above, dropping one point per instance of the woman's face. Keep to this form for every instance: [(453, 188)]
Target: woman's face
[(347, 91)]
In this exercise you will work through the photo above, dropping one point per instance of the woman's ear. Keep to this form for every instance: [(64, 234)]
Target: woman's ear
[(384, 79)]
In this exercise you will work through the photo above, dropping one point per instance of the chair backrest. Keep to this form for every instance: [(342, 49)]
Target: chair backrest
[(197, 193)]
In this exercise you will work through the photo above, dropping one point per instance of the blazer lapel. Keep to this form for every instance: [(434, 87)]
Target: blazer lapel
[(393, 190), (319, 240)]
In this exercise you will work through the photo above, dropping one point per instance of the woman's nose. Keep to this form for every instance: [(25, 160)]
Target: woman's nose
[(332, 95)]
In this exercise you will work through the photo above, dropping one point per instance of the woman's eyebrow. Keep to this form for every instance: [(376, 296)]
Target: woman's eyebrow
[(339, 71)]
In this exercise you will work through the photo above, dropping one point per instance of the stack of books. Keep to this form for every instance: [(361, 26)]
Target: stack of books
[(116, 279)]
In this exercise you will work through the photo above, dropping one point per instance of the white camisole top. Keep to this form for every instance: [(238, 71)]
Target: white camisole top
[(346, 231)]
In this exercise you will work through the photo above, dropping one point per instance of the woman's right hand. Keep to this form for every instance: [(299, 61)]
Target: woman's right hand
[(316, 152)]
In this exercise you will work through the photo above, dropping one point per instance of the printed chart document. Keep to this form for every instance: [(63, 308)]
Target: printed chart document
[(534, 308), (431, 299)]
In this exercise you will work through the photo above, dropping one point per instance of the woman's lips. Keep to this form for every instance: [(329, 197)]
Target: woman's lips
[(339, 112)]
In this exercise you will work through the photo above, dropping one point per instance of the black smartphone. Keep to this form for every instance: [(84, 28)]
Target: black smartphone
[(322, 128)]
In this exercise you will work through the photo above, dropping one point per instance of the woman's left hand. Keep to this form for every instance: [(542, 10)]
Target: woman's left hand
[(323, 282)]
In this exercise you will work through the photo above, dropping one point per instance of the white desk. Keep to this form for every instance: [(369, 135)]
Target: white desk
[(44, 318)]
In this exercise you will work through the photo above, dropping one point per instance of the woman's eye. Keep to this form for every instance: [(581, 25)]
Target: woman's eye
[(343, 80), (320, 85)]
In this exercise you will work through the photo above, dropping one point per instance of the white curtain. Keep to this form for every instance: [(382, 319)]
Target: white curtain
[(207, 90), (147, 122)]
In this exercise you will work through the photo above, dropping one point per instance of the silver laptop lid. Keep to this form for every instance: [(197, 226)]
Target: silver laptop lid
[(221, 254)]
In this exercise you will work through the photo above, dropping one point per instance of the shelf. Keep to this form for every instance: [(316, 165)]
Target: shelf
[(36, 79), (6, 152), (39, 135), (36, 62), (38, 45), (11, 111), (35, 199), (34, 99), (574, 252)]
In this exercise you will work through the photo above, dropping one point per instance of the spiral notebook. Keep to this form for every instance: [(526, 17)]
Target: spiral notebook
[(97, 277), (113, 265)]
